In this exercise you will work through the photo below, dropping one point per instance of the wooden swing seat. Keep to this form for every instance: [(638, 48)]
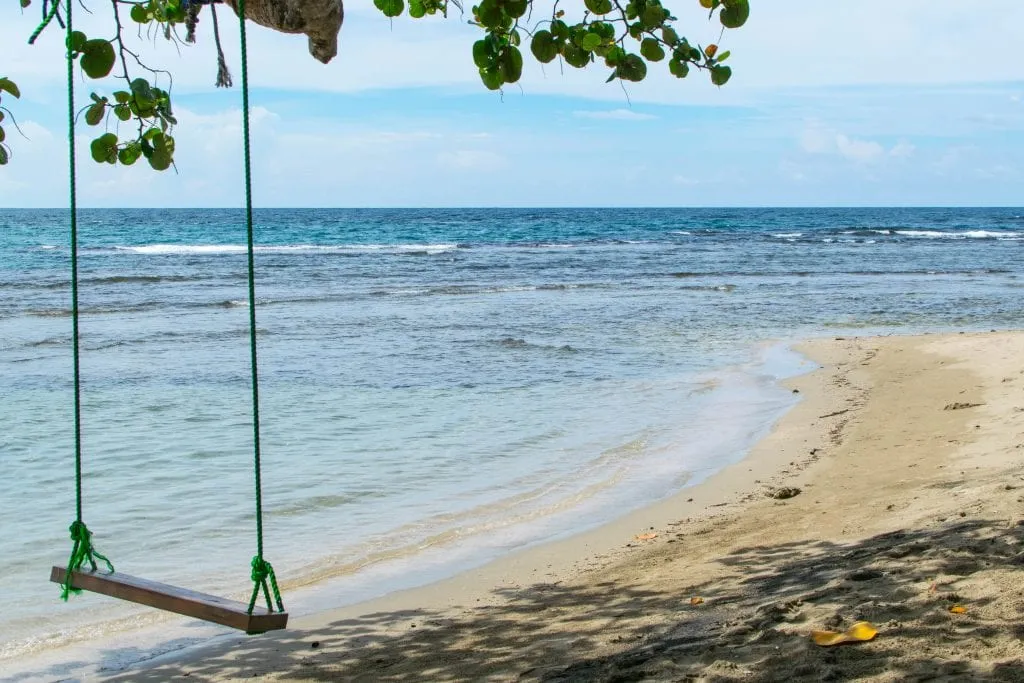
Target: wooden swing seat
[(173, 599)]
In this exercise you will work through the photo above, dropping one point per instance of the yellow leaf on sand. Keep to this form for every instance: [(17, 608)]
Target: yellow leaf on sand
[(645, 537), (958, 609), (696, 601), (860, 632)]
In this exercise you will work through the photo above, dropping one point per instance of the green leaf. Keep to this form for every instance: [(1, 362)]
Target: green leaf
[(575, 56), (104, 148), (76, 43), (559, 29), (122, 112), (417, 9), (7, 85), (122, 97), (25, 3), (490, 14), (603, 29), (516, 8), (735, 13), (543, 46), (614, 56), (632, 68), (144, 96), (3, 135), (669, 35), (97, 58), (590, 42), (390, 8), (722, 57), (4, 156), (651, 50), (482, 55), (678, 68), (129, 154), (94, 114), (720, 75), (139, 14), (599, 6), (160, 160), (653, 17), (491, 77), (511, 65)]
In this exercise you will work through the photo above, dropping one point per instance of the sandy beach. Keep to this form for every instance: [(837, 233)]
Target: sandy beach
[(890, 494)]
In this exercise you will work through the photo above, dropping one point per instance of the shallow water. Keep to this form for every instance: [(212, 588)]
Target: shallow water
[(437, 386)]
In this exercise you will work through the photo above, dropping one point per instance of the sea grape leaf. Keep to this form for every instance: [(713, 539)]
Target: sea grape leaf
[(7, 85), (104, 148), (97, 58)]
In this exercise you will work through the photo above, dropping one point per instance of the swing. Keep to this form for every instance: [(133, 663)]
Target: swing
[(76, 577)]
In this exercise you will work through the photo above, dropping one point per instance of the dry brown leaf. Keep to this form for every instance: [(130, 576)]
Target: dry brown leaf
[(646, 537), (958, 609), (696, 601)]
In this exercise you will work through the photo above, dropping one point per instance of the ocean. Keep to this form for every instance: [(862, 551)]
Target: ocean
[(438, 387)]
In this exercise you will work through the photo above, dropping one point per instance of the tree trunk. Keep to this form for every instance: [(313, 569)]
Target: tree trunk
[(318, 19)]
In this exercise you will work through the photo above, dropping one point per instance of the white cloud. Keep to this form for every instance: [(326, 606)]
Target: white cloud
[(902, 150), (614, 115), (818, 139), (861, 151)]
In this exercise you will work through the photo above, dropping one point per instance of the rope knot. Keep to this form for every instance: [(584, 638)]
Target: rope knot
[(79, 532), (82, 553), (261, 570), (262, 573)]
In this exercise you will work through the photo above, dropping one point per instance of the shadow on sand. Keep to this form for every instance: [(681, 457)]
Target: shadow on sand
[(752, 626)]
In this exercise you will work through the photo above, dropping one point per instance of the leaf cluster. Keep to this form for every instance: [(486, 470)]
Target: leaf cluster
[(9, 87), (626, 35), (140, 101)]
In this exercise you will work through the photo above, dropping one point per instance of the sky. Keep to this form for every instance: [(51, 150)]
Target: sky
[(839, 103)]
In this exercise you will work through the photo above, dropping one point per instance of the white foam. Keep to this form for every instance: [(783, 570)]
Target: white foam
[(929, 234), (785, 235), (966, 234), (989, 234), (214, 249)]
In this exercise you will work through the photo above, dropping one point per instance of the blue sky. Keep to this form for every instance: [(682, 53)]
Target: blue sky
[(849, 102)]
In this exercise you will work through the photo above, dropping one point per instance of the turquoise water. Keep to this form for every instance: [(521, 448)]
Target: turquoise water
[(438, 386)]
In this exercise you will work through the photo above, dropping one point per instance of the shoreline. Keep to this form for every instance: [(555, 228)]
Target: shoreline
[(603, 602)]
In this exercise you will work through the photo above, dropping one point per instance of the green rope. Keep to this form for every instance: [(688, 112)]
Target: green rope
[(82, 550), (262, 572), (47, 18)]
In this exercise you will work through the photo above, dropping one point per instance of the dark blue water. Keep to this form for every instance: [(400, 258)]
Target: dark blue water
[(437, 385)]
